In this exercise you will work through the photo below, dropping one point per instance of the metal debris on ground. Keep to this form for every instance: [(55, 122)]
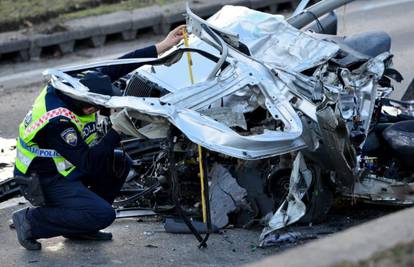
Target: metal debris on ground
[(151, 246), (226, 196), (296, 234), (7, 155)]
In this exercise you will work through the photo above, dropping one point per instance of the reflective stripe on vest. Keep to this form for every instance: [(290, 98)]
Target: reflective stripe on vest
[(61, 166), (64, 166), (40, 152), (60, 162), (50, 115), (23, 158)]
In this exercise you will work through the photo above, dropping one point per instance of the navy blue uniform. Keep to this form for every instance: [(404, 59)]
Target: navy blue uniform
[(80, 202)]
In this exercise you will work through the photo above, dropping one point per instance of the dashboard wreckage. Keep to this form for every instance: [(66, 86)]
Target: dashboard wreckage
[(287, 115)]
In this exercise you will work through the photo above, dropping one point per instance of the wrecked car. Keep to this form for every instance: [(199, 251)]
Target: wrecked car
[(288, 118)]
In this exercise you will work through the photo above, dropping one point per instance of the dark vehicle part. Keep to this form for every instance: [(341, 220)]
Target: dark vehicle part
[(133, 213), (278, 185), (301, 6), (327, 24), (336, 141), (400, 137), (31, 189), (318, 199), (143, 155), (251, 176), (176, 198), (308, 15), (140, 86), (9, 188), (178, 226), (395, 110), (131, 196), (370, 44)]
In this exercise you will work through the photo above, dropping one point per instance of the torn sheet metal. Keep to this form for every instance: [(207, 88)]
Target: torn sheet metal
[(123, 122), (246, 77), (293, 208), (296, 234), (376, 189), (199, 128), (272, 40), (226, 195), (269, 79), (133, 213), (396, 107), (335, 136), (268, 37)]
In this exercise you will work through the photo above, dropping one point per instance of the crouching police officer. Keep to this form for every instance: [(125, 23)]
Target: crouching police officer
[(76, 176)]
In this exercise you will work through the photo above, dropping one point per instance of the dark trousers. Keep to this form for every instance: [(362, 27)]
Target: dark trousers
[(75, 204)]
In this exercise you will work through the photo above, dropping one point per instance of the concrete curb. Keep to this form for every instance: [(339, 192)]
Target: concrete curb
[(95, 29), (352, 245)]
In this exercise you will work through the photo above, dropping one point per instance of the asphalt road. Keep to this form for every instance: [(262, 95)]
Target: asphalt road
[(145, 243), (134, 244)]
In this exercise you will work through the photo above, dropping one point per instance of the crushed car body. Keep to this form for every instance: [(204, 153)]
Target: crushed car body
[(245, 83), (265, 89)]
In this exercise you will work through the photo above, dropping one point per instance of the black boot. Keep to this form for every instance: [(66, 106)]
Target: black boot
[(23, 230), (97, 236)]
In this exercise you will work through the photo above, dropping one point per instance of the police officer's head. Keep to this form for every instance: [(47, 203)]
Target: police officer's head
[(96, 82)]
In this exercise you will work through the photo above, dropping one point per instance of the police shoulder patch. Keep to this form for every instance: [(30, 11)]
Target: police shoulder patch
[(69, 136)]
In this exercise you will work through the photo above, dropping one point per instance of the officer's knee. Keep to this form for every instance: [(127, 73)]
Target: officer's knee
[(103, 216), (107, 217)]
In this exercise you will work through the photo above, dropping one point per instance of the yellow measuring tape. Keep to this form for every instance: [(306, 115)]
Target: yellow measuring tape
[(200, 151), (189, 60)]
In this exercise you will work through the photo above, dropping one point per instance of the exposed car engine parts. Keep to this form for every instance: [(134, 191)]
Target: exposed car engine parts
[(288, 120)]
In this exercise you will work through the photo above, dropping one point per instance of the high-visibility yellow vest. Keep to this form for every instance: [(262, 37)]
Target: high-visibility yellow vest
[(35, 120)]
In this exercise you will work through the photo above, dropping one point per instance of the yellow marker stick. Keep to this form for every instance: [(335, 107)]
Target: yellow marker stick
[(200, 151), (190, 62)]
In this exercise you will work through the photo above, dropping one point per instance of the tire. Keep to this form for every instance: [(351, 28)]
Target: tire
[(278, 186), (318, 199)]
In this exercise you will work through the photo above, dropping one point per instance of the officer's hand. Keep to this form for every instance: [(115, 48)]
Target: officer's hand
[(173, 38)]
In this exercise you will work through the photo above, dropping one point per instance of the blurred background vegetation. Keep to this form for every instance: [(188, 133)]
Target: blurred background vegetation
[(18, 14)]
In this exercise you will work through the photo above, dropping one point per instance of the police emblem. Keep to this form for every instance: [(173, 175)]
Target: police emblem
[(69, 136)]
